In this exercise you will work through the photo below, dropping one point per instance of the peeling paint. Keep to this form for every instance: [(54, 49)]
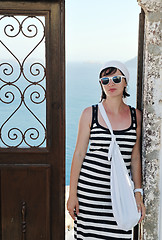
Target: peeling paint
[(150, 5), (154, 33), (150, 181)]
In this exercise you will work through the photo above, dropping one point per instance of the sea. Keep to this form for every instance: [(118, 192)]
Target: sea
[(83, 90)]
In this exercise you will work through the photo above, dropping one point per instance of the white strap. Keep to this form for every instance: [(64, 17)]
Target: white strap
[(106, 119)]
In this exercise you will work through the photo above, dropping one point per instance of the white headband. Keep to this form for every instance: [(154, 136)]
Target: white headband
[(118, 65)]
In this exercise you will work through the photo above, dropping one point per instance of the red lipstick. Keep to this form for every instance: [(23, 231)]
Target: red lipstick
[(112, 89)]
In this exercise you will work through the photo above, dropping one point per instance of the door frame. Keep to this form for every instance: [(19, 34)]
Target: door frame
[(54, 154)]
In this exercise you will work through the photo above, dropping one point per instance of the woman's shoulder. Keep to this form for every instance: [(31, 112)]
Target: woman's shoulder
[(86, 116), (88, 110), (138, 116), (87, 113), (138, 112)]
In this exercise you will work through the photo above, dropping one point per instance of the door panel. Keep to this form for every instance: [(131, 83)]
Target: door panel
[(25, 195), (32, 133)]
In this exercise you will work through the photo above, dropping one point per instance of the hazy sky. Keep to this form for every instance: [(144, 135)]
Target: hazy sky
[(101, 30)]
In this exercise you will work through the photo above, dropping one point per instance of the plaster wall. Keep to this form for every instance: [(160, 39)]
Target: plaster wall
[(152, 120), (160, 222)]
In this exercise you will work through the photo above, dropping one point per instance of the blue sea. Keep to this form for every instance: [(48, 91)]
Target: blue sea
[(83, 90)]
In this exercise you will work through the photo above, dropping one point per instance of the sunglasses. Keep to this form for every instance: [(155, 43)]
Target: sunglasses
[(115, 79)]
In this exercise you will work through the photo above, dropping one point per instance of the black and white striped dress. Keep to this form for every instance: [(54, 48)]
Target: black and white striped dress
[(95, 219)]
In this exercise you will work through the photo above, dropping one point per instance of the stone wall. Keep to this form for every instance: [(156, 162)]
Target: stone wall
[(152, 120)]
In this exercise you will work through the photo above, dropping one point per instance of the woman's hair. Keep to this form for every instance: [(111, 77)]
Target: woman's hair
[(106, 72)]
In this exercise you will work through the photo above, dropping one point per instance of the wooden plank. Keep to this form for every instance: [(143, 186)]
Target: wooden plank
[(140, 59), (25, 201)]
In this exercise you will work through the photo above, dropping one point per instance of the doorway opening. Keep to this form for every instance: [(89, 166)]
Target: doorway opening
[(93, 36)]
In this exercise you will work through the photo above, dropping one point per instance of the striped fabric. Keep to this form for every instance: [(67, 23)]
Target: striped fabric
[(95, 219)]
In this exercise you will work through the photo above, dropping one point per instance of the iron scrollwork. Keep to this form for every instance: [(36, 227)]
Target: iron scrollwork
[(22, 83)]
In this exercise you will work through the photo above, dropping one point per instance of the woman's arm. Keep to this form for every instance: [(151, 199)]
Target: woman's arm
[(78, 156), (136, 166)]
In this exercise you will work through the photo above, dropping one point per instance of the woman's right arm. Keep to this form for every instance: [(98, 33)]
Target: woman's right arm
[(78, 156)]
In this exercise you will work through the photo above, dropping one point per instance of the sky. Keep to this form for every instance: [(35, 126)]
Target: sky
[(101, 30)]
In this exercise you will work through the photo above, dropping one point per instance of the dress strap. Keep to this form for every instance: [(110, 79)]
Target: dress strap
[(94, 115), (134, 118)]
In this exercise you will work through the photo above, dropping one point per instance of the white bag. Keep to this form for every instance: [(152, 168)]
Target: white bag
[(123, 200)]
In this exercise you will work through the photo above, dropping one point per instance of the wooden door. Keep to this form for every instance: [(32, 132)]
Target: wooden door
[(32, 126)]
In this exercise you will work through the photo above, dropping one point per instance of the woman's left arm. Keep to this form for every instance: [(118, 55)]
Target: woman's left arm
[(136, 167)]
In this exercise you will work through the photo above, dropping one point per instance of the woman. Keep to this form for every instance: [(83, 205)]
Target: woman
[(89, 202)]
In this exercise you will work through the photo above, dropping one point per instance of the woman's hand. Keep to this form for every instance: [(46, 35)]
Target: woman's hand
[(140, 205), (73, 206)]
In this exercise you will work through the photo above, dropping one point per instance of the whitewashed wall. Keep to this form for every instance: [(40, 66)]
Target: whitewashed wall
[(152, 120)]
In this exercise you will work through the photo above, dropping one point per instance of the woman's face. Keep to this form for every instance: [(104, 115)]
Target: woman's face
[(114, 89)]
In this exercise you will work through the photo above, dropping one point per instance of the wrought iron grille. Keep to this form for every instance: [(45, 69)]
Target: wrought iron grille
[(22, 82)]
